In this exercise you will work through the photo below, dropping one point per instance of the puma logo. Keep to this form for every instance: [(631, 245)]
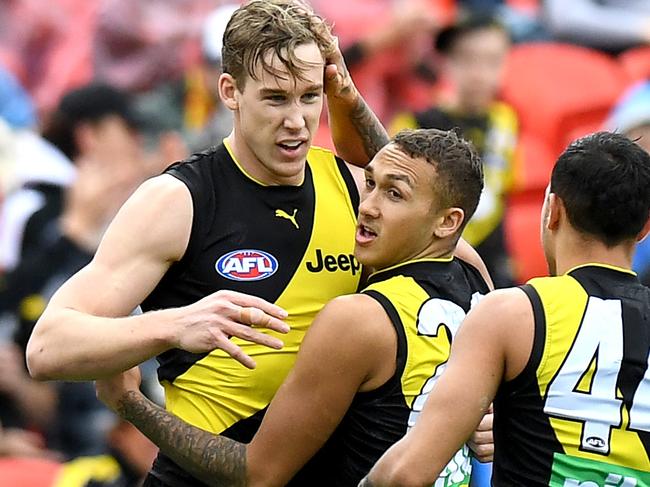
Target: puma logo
[(286, 216)]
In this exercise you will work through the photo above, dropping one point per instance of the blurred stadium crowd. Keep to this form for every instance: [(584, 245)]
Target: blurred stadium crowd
[(98, 95)]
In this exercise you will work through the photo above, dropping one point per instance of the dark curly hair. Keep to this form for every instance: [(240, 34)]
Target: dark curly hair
[(459, 171)]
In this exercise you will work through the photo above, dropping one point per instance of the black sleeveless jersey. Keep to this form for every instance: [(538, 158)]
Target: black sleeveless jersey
[(291, 245), (579, 413), (426, 301)]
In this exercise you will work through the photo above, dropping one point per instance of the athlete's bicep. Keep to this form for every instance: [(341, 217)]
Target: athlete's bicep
[(149, 232), (337, 356)]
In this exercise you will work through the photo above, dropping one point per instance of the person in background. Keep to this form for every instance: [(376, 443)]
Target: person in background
[(191, 105), (96, 127), (124, 464), (474, 50)]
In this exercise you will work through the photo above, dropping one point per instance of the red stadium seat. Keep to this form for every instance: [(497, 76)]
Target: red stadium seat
[(28, 472), (525, 5), (561, 91), (521, 226), (636, 63), (534, 161)]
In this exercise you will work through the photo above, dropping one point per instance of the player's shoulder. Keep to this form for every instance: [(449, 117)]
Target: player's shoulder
[(509, 304), (356, 313), (358, 304), (352, 328), (161, 204), (162, 189)]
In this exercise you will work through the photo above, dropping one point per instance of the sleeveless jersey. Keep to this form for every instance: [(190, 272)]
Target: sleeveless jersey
[(579, 413), (291, 245), (426, 301)]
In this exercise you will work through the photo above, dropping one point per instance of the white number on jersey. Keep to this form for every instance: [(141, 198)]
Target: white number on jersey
[(599, 340), (434, 313)]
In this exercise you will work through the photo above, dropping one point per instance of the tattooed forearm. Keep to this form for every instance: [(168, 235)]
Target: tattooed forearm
[(372, 133), (213, 459)]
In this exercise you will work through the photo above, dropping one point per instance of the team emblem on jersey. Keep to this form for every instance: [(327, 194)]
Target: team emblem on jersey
[(246, 265)]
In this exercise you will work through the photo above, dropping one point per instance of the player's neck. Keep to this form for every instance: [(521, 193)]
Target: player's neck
[(575, 250), (438, 249), (248, 161)]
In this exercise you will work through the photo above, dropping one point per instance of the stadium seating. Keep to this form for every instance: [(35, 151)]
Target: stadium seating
[(562, 91), (533, 164), (636, 63)]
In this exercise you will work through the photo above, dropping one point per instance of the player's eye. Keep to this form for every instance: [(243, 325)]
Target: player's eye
[(310, 97), (276, 98), (394, 194)]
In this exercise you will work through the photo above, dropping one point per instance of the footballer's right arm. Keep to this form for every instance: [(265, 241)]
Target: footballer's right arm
[(85, 331)]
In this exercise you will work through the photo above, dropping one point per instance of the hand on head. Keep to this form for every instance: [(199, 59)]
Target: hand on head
[(337, 82)]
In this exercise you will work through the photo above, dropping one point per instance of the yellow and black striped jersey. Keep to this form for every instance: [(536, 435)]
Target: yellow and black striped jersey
[(579, 413), (426, 301), (291, 245)]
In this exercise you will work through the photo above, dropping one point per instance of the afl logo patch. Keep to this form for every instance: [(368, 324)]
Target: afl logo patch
[(595, 443), (246, 265)]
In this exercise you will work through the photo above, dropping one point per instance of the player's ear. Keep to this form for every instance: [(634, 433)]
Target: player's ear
[(556, 211), (644, 231), (228, 91), (448, 222)]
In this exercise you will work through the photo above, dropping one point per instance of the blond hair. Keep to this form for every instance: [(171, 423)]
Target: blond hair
[(276, 26)]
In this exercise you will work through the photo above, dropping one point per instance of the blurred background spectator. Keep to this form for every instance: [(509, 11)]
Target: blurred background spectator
[(138, 45), (473, 52), (190, 105), (95, 130), (97, 95)]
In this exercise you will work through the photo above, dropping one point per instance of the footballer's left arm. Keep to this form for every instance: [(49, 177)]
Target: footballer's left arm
[(345, 346), (462, 394), (335, 359)]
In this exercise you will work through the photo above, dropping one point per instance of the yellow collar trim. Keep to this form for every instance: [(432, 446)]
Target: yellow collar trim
[(606, 266), (440, 259), (232, 155)]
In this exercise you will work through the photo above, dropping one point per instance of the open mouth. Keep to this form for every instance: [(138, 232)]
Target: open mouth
[(365, 235), (291, 146)]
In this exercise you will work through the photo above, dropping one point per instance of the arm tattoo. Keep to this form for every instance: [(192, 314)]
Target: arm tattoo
[(369, 128), (213, 459), (365, 482)]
